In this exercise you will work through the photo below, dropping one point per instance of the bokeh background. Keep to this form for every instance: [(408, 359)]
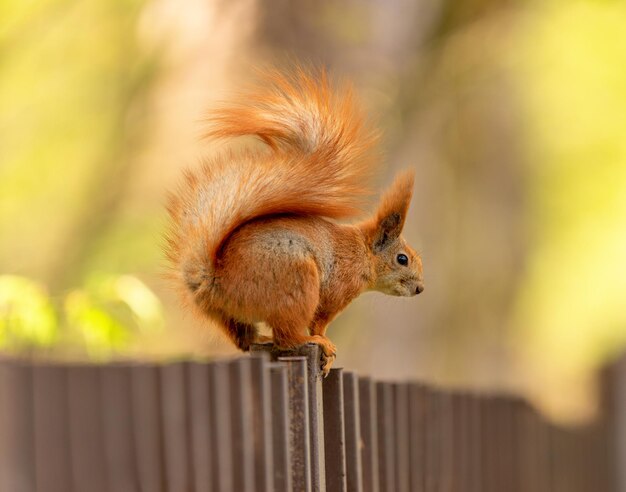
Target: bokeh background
[(513, 113)]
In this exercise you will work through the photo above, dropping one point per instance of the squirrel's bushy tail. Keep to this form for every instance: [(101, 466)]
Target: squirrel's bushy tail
[(318, 163), (301, 112)]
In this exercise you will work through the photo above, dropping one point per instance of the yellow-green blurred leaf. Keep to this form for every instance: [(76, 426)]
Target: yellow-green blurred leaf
[(145, 307), (27, 317), (102, 333)]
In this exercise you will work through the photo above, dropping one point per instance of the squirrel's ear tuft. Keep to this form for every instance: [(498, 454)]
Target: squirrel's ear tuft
[(392, 210)]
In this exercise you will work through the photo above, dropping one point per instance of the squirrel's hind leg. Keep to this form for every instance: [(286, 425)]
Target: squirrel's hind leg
[(318, 335), (242, 334), (286, 337)]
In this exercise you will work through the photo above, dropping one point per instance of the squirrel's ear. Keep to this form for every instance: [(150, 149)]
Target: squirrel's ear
[(392, 210)]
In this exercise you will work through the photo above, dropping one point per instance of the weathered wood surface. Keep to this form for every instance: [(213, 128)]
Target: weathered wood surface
[(271, 422)]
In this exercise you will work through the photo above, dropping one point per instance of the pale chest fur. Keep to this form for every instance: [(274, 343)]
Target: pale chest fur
[(348, 273)]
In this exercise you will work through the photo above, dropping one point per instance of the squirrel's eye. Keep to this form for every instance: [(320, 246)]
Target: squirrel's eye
[(402, 259)]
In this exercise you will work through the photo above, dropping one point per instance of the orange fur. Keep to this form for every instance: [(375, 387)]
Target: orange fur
[(250, 239)]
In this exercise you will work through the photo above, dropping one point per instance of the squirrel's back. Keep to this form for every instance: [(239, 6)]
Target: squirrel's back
[(317, 162)]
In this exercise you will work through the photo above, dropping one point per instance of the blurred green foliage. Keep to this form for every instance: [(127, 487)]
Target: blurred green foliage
[(75, 79), (27, 316), (99, 320), (572, 305), (74, 84)]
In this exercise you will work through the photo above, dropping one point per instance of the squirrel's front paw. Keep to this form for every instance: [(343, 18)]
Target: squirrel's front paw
[(328, 352)]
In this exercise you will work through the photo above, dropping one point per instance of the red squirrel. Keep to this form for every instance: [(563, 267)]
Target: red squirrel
[(254, 233)]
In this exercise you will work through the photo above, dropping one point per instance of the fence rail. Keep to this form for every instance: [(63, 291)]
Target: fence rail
[(269, 422)]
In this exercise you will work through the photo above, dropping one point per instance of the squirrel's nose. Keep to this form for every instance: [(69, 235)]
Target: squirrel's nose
[(420, 289)]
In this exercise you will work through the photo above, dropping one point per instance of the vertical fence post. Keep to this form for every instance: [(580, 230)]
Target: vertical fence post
[(386, 448), (614, 425), (559, 483), (462, 440), (334, 431), (446, 433), (200, 428), (456, 451), (369, 434), (282, 472), (51, 424), (147, 428), (417, 441), (17, 470), (401, 432), (541, 445), (433, 437), (220, 415), (609, 435), (487, 444), (241, 425), (516, 443), (316, 417), (263, 426), (176, 424), (299, 435), (354, 468), (311, 353), (117, 416), (475, 458), (502, 439), (86, 433), (526, 464)]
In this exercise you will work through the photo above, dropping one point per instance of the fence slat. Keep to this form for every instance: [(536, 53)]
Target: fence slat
[(529, 467), (612, 428), (516, 442), (219, 412), (51, 423), (241, 425), (176, 423), (262, 426), (280, 428), (495, 442), (299, 435), (199, 412), (507, 440), (316, 417), (386, 458), (401, 433), (334, 431), (354, 469), (311, 352), (369, 434), (475, 457), (455, 441), (532, 479), (417, 431), (460, 449), (86, 439), (17, 470), (446, 433), (485, 442), (119, 446), (147, 431), (432, 417)]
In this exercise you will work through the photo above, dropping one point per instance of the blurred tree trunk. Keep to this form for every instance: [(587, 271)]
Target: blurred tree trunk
[(108, 186)]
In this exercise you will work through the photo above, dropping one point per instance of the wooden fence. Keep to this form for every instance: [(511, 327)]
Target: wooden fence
[(256, 425)]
